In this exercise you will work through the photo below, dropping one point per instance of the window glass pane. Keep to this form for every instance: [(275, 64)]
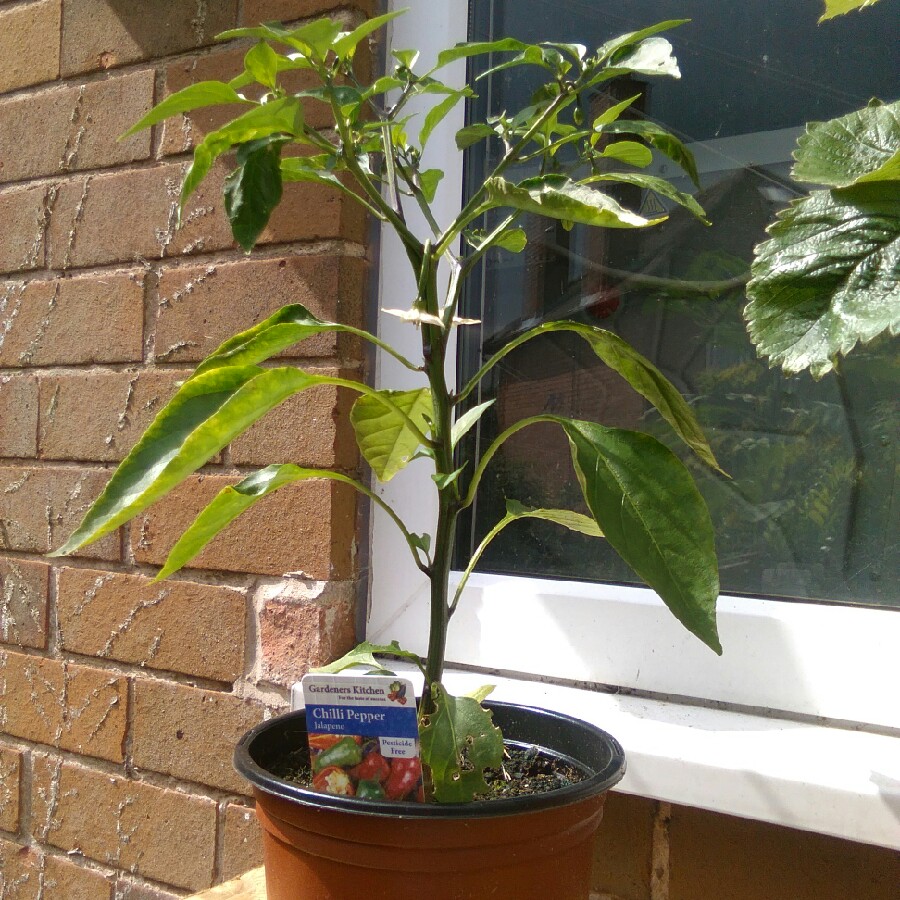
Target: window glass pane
[(811, 509)]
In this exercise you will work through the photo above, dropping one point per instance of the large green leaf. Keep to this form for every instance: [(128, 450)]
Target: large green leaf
[(574, 521), (459, 741), (345, 46), (649, 509), (625, 43), (829, 276), (861, 146), (635, 368), (657, 137), (283, 116), (439, 112), (206, 414), (652, 183), (477, 48), (195, 96), (253, 189), (234, 500), (652, 56), (558, 197), (261, 63), (384, 437), (835, 8)]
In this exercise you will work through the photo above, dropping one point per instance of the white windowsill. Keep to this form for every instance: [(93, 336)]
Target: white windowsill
[(828, 780)]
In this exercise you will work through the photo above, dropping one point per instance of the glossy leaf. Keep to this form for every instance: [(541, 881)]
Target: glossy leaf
[(574, 521), (861, 146), (384, 438), (345, 46), (630, 152), (658, 138), (234, 500), (297, 168), (205, 415), (657, 185), (613, 113), (559, 197), (625, 42), (429, 181), (841, 7), (438, 113), (829, 276), (472, 134), (315, 38), (261, 61), (464, 423), (364, 655), (195, 96), (478, 48), (650, 511), (652, 56), (253, 190), (459, 741)]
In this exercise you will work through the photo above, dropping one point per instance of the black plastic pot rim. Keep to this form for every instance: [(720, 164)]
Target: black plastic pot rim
[(596, 783)]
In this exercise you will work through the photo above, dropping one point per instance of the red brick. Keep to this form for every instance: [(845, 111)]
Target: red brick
[(181, 133), (256, 11), (241, 842), (27, 873), (74, 127), (160, 834), (10, 788), (180, 626), (308, 526), (189, 733), (302, 626), (68, 321), (18, 415), (41, 507), (23, 602), (121, 405), (200, 307), (98, 34), (143, 204), (72, 707), (29, 44), (24, 213)]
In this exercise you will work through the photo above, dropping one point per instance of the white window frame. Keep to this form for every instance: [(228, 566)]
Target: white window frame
[(836, 663)]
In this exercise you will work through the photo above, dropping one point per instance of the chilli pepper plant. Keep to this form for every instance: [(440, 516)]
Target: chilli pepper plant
[(639, 495)]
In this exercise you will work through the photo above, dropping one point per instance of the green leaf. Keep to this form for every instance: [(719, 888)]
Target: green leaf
[(477, 48), (429, 181), (459, 741), (445, 479), (829, 276), (558, 197), (205, 415), (513, 239), (421, 542), (861, 146), (624, 42), (364, 655), (438, 113), (261, 61), (382, 86), (652, 56), (314, 39), (283, 116), (658, 138), (253, 189), (298, 168), (613, 113), (649, 509), (465, 422), (480, 694), (406, 58), (345, 45), (835, 8), (204, 93), (472, 134), (234, 500), (630, 152), (384, 438), (566, 517), (657, 185)]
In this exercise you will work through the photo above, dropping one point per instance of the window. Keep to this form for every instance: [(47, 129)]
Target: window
[(773, 430)]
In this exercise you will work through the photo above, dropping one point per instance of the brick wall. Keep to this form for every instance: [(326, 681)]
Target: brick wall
[(120, 701)]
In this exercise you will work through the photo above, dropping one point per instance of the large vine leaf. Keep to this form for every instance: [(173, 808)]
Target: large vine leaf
[(649, 509), (205, 415), (383, 435), (458, 741), (828, 277), (834, 8), (558, 197), (861, 146)]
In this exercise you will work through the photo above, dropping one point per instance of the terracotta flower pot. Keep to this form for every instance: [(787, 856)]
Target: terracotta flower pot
[(536, 847)]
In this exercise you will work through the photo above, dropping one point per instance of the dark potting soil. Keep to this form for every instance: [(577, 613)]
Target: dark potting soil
[(525, 770)]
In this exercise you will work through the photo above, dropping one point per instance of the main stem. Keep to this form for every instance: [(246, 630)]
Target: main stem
[(434, 351)]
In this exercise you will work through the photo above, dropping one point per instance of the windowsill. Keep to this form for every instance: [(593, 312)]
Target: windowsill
[(802, 775)]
